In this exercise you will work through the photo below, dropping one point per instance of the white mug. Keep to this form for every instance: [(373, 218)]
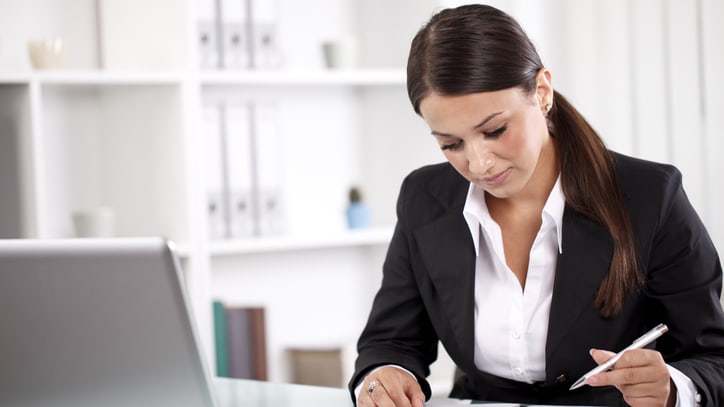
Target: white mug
[(47, 53), (97, 222), (340, 53)]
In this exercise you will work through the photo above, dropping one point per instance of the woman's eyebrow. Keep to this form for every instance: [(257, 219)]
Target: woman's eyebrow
[(477, 126), (487, 119)]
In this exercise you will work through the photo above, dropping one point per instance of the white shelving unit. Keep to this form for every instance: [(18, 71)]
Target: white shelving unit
[(120, 126)]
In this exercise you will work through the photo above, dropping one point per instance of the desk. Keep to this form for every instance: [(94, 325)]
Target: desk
[(250, 393)]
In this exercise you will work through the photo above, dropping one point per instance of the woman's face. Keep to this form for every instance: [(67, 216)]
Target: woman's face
[(497, 140)]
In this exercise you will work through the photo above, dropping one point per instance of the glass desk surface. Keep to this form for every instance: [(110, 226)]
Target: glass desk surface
[(250, 393)]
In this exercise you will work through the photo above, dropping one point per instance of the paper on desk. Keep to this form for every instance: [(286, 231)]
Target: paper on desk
[(452, 402)]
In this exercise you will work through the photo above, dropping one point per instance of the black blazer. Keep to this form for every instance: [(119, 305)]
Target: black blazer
[(427, 292)]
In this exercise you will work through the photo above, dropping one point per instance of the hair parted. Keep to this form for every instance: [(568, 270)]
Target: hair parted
[(478, 48)]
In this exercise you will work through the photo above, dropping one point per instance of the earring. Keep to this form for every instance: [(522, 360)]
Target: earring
[(548, 107)]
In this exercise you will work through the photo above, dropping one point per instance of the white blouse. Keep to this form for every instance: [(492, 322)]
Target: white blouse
[(511, 324)]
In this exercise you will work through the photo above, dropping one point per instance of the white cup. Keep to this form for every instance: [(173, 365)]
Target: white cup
[(97, 222), (340, 53), (47, 53)]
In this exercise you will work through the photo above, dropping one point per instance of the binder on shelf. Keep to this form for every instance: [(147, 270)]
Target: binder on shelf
[(239, 158), (265, 47), (266, 142), (217, 208), (235, 26), (243, 170), (209, 34), (246, 342)]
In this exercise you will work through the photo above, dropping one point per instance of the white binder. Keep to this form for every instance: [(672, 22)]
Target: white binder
[(265, 34), (236, 33), (210, 49), (239, 159), (216, 203), (269, 161)]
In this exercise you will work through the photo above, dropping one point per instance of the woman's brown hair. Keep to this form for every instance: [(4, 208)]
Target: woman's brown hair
[(478, 48)]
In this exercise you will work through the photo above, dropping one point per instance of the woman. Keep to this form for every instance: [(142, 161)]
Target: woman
[(535, 252)]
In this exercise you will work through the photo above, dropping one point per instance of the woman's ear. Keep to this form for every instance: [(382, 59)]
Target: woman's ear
[(544, 88)]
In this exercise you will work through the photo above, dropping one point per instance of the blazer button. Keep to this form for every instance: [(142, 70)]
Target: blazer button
[(562, 378)]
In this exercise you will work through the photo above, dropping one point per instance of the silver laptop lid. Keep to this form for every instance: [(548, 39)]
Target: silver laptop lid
[(96, 322)]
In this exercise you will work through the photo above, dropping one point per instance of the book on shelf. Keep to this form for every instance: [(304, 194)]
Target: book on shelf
[(240, 341), (317, 367), (220, 340)]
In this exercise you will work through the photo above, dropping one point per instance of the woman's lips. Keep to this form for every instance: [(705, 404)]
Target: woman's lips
[(497, 179)]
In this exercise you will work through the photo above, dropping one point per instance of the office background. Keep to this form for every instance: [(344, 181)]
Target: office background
[(125, 124)]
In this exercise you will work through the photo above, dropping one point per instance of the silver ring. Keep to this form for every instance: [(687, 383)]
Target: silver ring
[(372, 386)]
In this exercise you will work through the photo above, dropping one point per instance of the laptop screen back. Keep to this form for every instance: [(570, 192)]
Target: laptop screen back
[(87, 322)]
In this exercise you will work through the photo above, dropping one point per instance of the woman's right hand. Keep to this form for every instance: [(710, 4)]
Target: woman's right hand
[(391, 387)]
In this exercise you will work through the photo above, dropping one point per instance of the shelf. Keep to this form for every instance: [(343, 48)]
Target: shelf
[(357, 77), (15, 78), (352, 238), (93, 78)]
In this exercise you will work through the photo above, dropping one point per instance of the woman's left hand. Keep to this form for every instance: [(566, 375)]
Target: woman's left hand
[(640, 375)]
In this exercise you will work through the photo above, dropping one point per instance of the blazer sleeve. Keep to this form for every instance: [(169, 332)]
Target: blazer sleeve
[(684, 282), (398, 329)]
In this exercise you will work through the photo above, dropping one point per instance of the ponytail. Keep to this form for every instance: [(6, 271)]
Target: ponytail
[(589, 185)]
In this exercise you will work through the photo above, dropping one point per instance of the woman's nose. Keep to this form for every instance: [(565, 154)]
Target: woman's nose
[(480, 159)]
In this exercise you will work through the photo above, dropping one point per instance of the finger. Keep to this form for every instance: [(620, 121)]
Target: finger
[(414, 393), (400, 387), (623, 376), (649, 394), (418, 400), (380, 397), (640, 375), (634, 366), (637, 394), (601, 356), (390, 390)]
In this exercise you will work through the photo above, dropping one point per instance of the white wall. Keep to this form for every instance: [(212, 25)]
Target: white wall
[(647, 75)]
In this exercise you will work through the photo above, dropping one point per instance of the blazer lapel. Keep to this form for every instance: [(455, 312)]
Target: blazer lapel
[(447, 252), (586, 257), (449, 256)]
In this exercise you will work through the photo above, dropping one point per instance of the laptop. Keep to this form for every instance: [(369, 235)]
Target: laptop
[(97, 322)]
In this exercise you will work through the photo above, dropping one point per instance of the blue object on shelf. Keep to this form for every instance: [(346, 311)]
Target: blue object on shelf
[(358, 215)]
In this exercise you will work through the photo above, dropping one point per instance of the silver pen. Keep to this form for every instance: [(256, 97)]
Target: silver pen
[(639, 343)]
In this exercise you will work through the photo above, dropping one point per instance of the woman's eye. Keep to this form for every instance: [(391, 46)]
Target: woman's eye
[(452, 146), (496, 133)]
